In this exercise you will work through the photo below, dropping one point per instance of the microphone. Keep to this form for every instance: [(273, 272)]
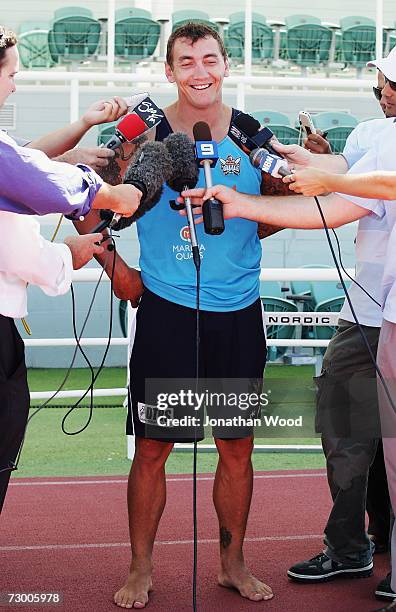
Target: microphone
[(145, 116), (127, 129), (255, 137), (184, 176), (270, 164), (150, 168), (206, 155)]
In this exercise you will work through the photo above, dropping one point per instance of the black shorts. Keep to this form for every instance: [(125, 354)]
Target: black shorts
[(232, 354)]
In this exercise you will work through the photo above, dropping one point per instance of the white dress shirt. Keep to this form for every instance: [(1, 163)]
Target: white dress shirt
[(26, 257)]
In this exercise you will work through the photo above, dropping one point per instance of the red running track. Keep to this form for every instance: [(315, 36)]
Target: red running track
[(70, 535)]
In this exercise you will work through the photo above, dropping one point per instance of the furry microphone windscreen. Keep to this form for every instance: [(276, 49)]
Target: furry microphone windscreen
[(150, 168), (185, 168)]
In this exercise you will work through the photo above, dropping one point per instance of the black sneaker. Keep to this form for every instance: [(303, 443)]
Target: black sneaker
[(321, 569), (384, 589)]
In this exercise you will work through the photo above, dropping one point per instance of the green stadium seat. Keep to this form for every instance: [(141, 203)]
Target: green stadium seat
[(358, 41), (355, 20), (275, 304), (308, 42), (324, 291), (325, 332), (262, 37), (33, 45), (105, 131), (296, 20), (72, 11), (338, 126), (179, 18), (337, 137), (285, 133), (269, 117), (326, 120), (74, 34), (136, 34)]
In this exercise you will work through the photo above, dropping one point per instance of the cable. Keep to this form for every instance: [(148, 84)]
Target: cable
[(373, 359), (78, 347), (195, 449), (94, 377)]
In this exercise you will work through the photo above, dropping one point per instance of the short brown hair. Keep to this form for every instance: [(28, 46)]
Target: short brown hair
[(7, 39), (193, 31)]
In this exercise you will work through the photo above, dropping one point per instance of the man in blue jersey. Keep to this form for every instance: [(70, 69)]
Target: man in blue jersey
[(232, 336)]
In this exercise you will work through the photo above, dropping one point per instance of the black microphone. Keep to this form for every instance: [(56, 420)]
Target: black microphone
[(184, 176), (255, 137), (206, 154), (150, 168)]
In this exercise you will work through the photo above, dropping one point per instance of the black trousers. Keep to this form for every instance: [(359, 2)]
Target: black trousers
[(348, 418), (14, 399)]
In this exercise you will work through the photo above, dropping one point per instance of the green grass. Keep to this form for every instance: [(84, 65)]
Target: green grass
[(101, 448)]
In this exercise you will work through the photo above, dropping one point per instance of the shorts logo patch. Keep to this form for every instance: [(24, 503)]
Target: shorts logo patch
[(149, 414), (231, 165)]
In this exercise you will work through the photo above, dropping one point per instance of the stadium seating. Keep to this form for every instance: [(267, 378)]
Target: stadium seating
[(105, 131), (262, 37), (325, 332), (136, 34), (33, 45), (326, 120), (358, 41), (279, 124), (181, 17), (275, 304), (308, 41), (271, 117), (338, 126), (74, 34), (286, 133)]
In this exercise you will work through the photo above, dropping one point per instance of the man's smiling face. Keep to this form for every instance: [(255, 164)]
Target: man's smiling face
[(198, 69)]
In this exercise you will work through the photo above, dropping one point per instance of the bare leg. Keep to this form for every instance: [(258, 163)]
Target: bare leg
[(232, 494), (146, 503)]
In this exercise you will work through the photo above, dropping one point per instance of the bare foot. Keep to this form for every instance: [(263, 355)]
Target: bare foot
[(134, 593), (238, 577)]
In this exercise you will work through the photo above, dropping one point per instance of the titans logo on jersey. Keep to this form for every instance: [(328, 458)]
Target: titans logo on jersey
[(230, 165)]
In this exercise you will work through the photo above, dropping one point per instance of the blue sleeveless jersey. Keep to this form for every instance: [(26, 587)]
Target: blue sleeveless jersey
[(230, 262)]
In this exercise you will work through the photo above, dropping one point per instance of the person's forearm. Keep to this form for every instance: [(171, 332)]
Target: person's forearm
[(299, 212), (329, 163), (105, 259), (58, 142), (377, 185)]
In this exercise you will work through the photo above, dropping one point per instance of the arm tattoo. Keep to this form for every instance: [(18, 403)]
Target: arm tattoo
[(225, 537), (112, 173), (274, 186)]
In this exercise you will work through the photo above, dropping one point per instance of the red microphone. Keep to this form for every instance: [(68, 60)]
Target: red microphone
[(130, 127)]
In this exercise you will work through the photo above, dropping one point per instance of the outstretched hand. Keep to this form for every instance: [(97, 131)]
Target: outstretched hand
[(308, 181), (105, 111), (228, 197)]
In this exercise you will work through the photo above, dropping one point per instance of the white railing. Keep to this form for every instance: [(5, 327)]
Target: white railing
[(240, 83)]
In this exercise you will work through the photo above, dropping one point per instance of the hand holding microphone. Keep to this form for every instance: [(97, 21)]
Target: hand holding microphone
[(206, 154), (150, 167)]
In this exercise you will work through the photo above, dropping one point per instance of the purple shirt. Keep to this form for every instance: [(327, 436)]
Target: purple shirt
[(32, 184)]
